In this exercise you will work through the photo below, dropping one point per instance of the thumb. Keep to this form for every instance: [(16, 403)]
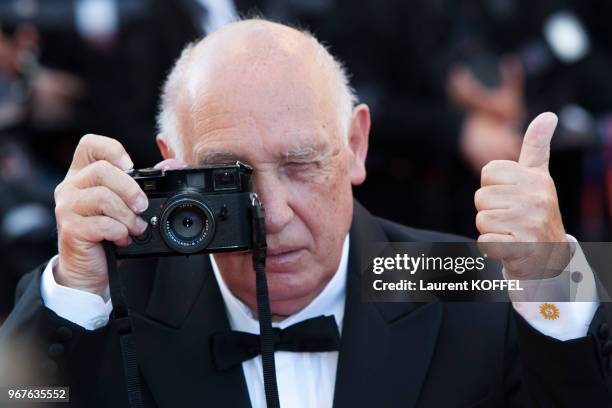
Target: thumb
[(536, 143)]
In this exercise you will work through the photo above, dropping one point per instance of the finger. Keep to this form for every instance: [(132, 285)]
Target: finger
[(498, 246), (92, 148), (535, 151), (500, 172), (101, 200), (495, 197), (468, 85), (95, 229), (102, 173), (170, 164), (512, 73), (494, 221)]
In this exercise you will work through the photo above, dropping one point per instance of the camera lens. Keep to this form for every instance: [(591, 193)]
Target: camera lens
[(187, 222), (187, 225)]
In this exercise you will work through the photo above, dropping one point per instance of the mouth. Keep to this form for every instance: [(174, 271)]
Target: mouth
[(281, 259)]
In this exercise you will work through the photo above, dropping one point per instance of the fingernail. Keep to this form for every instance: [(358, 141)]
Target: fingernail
[(140, 204), (126, 163), (141, 224)]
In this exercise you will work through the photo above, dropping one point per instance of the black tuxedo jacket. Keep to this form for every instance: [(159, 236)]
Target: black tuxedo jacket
[(392, 354)]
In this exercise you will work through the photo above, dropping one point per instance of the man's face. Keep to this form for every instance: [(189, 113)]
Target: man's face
[(303, 170)]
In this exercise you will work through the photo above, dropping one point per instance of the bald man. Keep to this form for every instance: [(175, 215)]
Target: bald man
[(273, 97)]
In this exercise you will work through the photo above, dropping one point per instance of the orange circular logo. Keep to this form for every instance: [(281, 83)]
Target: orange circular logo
[(549, 311)]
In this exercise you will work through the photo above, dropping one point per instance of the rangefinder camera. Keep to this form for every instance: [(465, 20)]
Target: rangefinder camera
[(194, 210)]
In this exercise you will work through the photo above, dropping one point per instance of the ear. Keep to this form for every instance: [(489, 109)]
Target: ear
[(166, 151), (359, 132)]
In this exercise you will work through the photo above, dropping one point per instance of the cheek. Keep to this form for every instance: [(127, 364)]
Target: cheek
[(325, 208)]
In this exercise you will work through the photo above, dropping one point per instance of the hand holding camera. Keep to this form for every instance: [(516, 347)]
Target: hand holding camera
[(96, 201), (160, 211)]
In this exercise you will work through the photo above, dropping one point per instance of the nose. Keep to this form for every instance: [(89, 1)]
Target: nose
[(274, 195)]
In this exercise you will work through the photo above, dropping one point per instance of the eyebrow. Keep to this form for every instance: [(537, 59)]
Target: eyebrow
[(301, 153), (217, 157)]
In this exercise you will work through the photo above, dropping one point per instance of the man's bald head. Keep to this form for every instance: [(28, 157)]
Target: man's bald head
[(273, 97), (255, 56)]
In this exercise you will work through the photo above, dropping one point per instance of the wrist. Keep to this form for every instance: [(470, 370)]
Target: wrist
[(64, 277)]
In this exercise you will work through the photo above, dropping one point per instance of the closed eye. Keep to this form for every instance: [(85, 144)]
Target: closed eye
[(297, 168)]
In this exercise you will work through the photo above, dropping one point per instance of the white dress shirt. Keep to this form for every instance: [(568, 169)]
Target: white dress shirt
[(308, 379), (305, 380)]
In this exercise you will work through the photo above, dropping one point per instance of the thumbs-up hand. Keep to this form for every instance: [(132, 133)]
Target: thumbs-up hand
[(518, 209)]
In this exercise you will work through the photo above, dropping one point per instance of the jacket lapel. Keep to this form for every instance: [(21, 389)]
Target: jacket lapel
[(173, 338), (386, 347), (384, 356)]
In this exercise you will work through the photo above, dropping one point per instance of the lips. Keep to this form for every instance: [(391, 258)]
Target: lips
[(281, 259), (280, 250)]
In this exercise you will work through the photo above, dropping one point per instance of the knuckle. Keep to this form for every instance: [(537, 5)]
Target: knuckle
[(106, 225), (66, 229), (541, 200), (483, 238), (102, 166), (115, 145), (62, 206), (535, 226), (102, 199), (58, 190), (60, 210), (494, 165), (479, 197), (98, 170), (485, 172), (87, 139), (481, 221), (489, 170)]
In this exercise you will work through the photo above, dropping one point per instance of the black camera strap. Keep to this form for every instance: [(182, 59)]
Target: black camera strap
[(123, 322), (123, 325), (266, 334)]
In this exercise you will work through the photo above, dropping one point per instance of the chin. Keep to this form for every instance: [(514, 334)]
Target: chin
[(288, 307), (289, 287), (290, 293)]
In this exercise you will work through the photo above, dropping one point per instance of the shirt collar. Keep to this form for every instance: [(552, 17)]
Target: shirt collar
[(329, 302)]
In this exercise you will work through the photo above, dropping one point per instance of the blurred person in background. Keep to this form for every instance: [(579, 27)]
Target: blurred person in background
[(72, 66), (450, 84), (27, 227)]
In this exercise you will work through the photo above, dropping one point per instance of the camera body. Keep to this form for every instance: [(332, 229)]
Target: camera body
[(194, 210)]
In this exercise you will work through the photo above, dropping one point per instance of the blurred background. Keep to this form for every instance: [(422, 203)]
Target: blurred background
[(451, 85)]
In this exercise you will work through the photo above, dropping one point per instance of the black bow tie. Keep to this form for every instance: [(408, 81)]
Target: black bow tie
[(318, 334)]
